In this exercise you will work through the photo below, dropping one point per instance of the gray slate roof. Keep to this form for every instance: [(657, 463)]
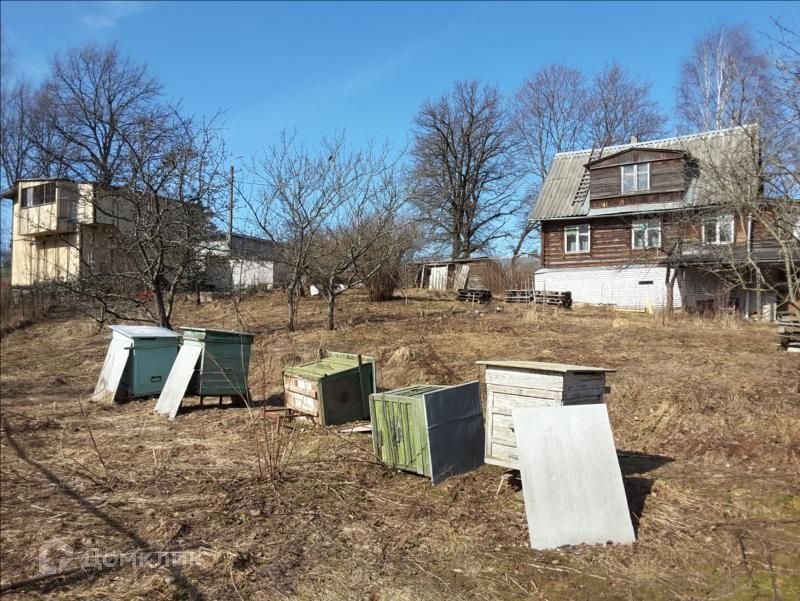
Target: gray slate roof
[(557, 198)]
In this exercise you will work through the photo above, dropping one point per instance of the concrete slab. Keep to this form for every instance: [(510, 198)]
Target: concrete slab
[(571, 478)]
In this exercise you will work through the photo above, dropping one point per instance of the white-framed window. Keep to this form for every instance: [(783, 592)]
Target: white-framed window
[(577, 238), (646, 233), (718, 230), (635, 178), (35, 196)]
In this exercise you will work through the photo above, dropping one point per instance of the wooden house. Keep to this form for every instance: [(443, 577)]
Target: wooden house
[(615, 219)]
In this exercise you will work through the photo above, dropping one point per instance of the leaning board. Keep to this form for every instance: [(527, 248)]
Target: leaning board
[(111, 374), (571, 478), (169, 401)]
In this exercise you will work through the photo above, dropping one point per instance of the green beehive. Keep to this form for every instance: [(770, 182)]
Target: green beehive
[(223, 364), (434, 431), (334, 389), (138, 362)]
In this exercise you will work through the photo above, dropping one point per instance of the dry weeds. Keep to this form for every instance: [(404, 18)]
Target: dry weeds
[(706, 416)]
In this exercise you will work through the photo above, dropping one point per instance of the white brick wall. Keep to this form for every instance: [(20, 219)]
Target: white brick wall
[(635, 286)]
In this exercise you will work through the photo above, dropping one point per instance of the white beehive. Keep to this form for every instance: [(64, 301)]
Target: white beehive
[(518, 384)]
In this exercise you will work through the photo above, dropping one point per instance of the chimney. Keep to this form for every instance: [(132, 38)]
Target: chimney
[(634, 139)]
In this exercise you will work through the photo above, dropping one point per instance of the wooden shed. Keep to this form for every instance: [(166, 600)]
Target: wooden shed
[(137, 363), (517, 384), (434, 431), (210, 363), (334, 389)]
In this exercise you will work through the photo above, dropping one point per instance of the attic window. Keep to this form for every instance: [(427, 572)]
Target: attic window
[(635, 178)]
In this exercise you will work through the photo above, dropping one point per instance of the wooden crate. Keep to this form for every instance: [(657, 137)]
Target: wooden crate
[(513, 384), (548, 297)]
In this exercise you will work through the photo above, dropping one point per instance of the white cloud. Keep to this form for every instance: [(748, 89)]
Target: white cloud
[(106, 15)]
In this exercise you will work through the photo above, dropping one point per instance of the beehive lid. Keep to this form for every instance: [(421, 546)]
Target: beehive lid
[(417, 391), (213, 333), (326, 366), (144, 332), (543, 366)]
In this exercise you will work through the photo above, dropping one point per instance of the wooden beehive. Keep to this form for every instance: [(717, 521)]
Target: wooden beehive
[(224, 363), (513, 384), (334, 389), (434, 431), (137, 363)]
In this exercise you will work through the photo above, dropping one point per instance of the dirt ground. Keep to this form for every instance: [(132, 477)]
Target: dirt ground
[(705, 412)]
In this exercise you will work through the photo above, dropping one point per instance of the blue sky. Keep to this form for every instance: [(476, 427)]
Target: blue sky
[(364, 67)]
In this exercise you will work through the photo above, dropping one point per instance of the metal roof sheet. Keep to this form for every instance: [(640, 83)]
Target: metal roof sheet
[(557, 196), (542, 366), (144, 332)]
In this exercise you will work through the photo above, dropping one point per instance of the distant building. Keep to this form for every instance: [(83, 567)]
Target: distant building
[(608, 214), (57, 230), (62, 230), (247, 262)]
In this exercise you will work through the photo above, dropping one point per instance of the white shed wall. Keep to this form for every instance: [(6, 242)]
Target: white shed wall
[(637, 286)]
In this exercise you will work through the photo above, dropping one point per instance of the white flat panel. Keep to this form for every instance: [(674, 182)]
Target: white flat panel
[(111, 373), (169, 401), (571, 479), (438, 278)]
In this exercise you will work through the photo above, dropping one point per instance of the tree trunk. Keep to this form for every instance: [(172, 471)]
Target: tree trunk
[(331, 302), (158, 298), (292, 302), (669, 281)]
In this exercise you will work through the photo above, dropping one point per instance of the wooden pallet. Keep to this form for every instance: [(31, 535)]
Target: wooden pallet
[(557, 299), (473, 295), (519, 296), (789, 331)]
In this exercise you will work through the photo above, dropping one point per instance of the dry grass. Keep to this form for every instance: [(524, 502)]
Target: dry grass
[(707, 414)]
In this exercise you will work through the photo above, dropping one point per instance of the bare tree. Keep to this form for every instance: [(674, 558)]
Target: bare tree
[(465, 169), (726, 81), (94, 99), (621, 107), (291, 206), (557, 110), (365, 188), (153, 228)]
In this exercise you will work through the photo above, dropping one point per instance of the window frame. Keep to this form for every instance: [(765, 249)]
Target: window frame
[(578, 234), (636, 168), (717, 221), (647, 227), (38, 196)]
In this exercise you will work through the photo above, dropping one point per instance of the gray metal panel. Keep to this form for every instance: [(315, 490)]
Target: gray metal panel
[(169, 401), (571, 478), (144, 332), (557, 196), (455, 430)]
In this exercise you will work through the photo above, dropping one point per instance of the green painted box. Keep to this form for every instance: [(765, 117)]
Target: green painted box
[(224, 363), (434, 431), (151, 353), (334, 389)]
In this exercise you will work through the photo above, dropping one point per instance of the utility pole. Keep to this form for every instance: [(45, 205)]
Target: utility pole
[(230, 213)]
